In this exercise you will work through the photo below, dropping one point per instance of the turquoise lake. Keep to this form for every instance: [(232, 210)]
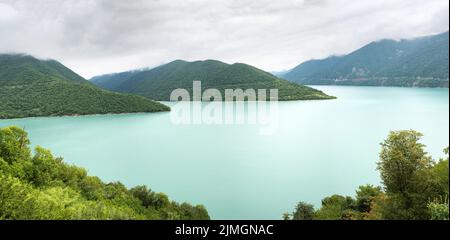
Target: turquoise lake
[(319, 148)]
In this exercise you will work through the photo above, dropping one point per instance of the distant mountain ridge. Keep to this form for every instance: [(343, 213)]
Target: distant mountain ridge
[(30, 87), (420, 62), (158, 83)]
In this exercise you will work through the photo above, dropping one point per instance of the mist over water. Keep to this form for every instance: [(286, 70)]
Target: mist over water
[(319, 148)]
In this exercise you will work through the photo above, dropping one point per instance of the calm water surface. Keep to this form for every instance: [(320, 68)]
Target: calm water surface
[(320, 148)]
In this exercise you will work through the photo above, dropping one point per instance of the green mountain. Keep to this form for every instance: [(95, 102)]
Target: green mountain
[(158, 83), (30, 87), (421, 62)]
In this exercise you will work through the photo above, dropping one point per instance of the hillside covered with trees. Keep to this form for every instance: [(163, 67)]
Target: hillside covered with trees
[(414, 187), (420, 62), (30, 87), (40, 186), (158, 83)]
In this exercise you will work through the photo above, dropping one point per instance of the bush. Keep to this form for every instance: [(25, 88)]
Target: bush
[(44, 187), (439, 209)]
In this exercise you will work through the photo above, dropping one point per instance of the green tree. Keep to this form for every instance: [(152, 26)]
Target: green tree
[(303, 211), (144, 194), (405, 172), (401, 157), (337, 207), (286, 216), (92, 188), (45, 168), (14, 145), (365, 195), (15, 202), (194, 213), (441, 171)]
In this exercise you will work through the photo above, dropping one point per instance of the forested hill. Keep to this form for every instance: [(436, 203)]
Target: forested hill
[(30, 87), (158, 83), (421, 62)]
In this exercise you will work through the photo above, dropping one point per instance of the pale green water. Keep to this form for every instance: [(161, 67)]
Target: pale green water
[(320, 148)]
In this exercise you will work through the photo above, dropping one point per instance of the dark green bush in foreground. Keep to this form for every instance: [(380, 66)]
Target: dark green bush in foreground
[(41, 186)]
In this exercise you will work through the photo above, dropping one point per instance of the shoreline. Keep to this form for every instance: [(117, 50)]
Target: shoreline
[(85, 115)]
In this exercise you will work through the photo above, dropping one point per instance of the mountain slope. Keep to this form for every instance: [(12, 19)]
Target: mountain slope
[(416, 62), (30, 87), (158, 83)]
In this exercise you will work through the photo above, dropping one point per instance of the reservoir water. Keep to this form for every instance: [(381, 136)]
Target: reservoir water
[(318, 148)]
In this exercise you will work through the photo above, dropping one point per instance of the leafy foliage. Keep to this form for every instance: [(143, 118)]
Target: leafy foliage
[(337, 207), (303, 211), (439, 209), (41, 186), (414, 186), (31, 88), (158, 83), (365, 196), (421, 62), (405, 171)]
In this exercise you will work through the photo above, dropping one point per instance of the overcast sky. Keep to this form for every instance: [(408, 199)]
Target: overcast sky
[(102, 36)]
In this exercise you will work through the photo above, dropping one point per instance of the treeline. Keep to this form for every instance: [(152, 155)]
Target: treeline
[(383, 81), (414, 187), (41, 186)]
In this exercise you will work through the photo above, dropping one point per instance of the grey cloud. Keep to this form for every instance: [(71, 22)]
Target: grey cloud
[(99, 36)]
